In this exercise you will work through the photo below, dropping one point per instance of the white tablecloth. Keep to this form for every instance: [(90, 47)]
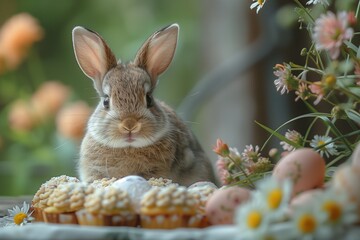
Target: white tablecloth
[(41, 231), (57, 231)]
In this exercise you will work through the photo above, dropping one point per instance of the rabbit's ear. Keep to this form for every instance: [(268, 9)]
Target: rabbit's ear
[(93, 55), (156, 53)]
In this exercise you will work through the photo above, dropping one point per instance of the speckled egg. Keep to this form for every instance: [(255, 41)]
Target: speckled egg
[(221, 206), (346, 180), (356, 156), (135, 186), (304, 166)]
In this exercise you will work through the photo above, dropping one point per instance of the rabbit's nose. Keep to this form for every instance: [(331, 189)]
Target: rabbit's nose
[(130, 125)]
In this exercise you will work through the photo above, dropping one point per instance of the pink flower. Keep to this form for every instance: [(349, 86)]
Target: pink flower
[(331, 31), (221, 148), (285, 81), (317, 89), (222, 171)]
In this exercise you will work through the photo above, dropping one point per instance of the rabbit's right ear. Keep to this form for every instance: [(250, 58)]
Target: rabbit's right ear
[(93, 55)]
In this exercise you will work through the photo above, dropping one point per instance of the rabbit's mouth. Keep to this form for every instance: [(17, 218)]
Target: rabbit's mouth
[(129, 138)]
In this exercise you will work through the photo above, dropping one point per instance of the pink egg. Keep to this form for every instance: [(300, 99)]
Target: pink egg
[(304, 166), (346, 180), (306, 197), (221, 206), (356, 156)]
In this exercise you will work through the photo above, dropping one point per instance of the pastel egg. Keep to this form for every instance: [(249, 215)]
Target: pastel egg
[(135, 186), (221, 206), (203, 184), (306, 197), (356, 156), (304, 166), (346, 180)]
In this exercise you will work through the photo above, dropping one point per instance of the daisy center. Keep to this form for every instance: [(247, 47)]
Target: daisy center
[(260, 2), (307, 223), (254, 219), (274, 198), (333, 209), (19, 218)]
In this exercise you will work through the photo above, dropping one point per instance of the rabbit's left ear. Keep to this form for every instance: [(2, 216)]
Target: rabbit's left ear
[(157, 52)]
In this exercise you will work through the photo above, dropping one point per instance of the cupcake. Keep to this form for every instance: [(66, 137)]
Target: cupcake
[(202, 193), (65, 200), (161, 182), (169, 207), (40, 200), (100, 183), (107, 207)]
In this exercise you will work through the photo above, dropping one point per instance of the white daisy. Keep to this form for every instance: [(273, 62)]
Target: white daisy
[(276, 196), (308, 223), (252, 220), (340, 212), (323, 2), (258, 4), (318, 143), (18, 216)]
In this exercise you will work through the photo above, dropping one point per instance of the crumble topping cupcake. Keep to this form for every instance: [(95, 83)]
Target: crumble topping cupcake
[(161, 182), (41, 197), (65, 200), (169, 207), (107, 207), (100, 183), (202, 193)]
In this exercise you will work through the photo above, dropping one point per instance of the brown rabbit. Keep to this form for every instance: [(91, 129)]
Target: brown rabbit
[(130, 132)]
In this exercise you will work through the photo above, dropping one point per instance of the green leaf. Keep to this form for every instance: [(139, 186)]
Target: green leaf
[(278, 135), (351, 46), (353, 115)]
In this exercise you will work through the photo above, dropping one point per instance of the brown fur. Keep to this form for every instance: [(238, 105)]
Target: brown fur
[(165, 146)]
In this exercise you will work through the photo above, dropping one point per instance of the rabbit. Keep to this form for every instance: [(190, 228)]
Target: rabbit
[(130, 132)]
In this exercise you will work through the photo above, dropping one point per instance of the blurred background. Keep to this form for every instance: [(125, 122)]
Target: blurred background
[(220, 82)]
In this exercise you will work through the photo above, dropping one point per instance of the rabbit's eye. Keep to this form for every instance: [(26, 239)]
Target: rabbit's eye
[(149, 101), (106, 102)]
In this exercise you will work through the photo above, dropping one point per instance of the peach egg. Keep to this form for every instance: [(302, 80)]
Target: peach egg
[(304, 166), (306, 197), (221, 206), (346, 180)]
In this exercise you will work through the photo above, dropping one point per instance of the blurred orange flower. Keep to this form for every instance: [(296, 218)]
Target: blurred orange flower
[(49, 98), (71, 120), (21, 117), (16, 36)]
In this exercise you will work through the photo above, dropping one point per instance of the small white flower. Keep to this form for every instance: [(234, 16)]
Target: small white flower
[(18, 216), (250, 153), (293, 136), (276, 196), (252, 220), (323, 2), (308, 223), (258, 4), (328, 149), (340, 212)]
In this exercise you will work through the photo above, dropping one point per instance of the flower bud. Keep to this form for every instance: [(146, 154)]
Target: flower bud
[(221, 148)]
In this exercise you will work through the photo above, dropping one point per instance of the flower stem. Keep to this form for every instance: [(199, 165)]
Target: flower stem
[(243, 171)]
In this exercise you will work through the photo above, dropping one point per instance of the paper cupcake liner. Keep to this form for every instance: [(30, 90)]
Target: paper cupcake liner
[(37, 214), (170, 221), (60, 218), (90, 219)]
